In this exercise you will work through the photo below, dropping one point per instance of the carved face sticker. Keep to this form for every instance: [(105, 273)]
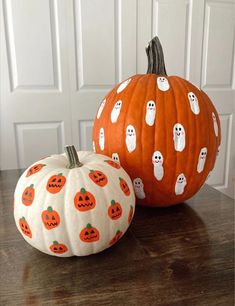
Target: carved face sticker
[(114, 210), (117, 236), (130, 138), (179, 137), (101, 139), (28, 195), (201, 160), (130, 215), (56, 183), (123, 85), (58, 248), (116, 111), (84, 200), (150, 113), (180, 184), (193, 101), (34, 169), (139, 188), (112, 163), (89, 234), (98, 177), (157, 160), (163, 83), (124, 186), (116, 158), (100, 110), (50, 218), (25, 227)]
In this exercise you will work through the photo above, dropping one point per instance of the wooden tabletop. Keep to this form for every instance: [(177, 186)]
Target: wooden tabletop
[(181, 255)]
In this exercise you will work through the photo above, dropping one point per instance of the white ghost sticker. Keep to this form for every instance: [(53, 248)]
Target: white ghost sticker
[(130, 138), (101, 139), (116, 111), (180, 184), (163, 83), (157, 160), (150, 113), (123, 85), (139, 188), (101, 108), (216, 129), (193, 101), (201, 160), (116, 158), (179, 137), (93, 145)]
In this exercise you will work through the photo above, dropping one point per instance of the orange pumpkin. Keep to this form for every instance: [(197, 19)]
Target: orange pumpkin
[(98, 177), (164, 130), (50, 218), (89, 234), (124, 186), (131, 212), (34, 169), (28, 195), (115, 210), (58, 248), (118, 235), (56, 183), (25, 227), (113, 164), (84, 200)]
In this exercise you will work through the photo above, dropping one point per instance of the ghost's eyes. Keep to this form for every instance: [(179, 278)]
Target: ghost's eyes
[(159, 157), (176, 129), (179, 128)]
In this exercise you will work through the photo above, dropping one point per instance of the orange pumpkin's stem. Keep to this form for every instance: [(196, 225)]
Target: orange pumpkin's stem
[(72, 156), (155, 55)]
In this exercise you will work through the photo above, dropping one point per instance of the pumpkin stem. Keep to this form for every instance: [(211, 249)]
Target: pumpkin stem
[(72, 156), (155, 55)]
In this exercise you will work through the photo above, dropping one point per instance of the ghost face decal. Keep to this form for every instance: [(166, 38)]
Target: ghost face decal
[(193, 101), (150, 113), (116, 158), (157, 160), (101, 139), (201, 160), (216, 129), (139, 188), (101, 108), (130, 138), (179, 137), (123, 85), (163, 83), (116, 111), (180, 184)]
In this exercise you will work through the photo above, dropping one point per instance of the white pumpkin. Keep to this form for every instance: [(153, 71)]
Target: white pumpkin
[(78, 203)]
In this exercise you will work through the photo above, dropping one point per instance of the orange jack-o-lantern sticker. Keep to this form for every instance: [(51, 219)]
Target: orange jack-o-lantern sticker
[(84, 200), (98, 177), (112, 163), (50, 218), (28, 195), (124, 186), (25, 227), (58, 248), (34, 169), (130, 215), (89, 234), (116, 237), (115, 210), (56, 183)]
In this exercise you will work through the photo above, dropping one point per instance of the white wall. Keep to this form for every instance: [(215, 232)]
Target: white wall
[(59, 58)]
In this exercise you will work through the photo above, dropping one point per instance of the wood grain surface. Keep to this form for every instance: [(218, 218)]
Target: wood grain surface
[(183, 255)]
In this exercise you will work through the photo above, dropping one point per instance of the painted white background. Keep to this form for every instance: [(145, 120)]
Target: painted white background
[(60, 57)]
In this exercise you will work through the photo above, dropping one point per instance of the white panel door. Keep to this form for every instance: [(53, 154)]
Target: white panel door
[(102, 53), (198, 43), (35, 113), (60, 57)]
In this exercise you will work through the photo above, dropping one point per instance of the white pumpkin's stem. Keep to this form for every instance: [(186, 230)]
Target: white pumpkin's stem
[(72, 156), (155, 55)]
